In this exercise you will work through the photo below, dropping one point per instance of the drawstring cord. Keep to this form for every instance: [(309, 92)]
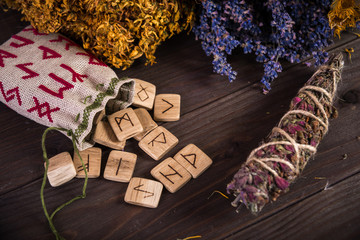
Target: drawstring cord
[(83, 195)]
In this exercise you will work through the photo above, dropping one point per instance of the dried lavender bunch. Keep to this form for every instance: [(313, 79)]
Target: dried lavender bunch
[(270, 168), (271, 29)]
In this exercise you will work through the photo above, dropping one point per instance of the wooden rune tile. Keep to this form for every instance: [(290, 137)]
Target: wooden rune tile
[(92, 161), (158, 142), (104, 135), (171, 174), (61, 169), (193, 160), (143, 192), (120, 166), (99, 116), (146, 121), (125, 124), (144, 94), (167, 107)]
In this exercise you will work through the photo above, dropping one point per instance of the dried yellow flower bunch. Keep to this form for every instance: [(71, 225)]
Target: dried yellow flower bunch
[(343, 14), (116, 31)]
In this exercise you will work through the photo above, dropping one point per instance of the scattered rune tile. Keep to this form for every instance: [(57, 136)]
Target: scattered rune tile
[(92, 161), (143, 192), (99, 117), (125, 124), (167, 107), (144, 94), (171, 174), (104, 135), (193, 160), (158, 142), (61, 169), (146, 121), (120, 166)]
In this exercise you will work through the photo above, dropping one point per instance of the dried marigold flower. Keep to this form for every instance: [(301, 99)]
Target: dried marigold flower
[(116, 31), (343, 14)]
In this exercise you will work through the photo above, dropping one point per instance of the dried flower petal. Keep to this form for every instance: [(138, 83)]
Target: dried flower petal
[(281, 183)]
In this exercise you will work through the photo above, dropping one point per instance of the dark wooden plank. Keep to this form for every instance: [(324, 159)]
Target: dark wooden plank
[(186, 71), (225, 124), (329, 214), (187, 212), (182, 68), (227, 137)]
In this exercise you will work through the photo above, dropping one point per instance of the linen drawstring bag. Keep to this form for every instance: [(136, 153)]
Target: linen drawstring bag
[(51, 80)]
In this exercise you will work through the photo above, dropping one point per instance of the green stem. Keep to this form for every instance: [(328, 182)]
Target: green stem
[(83, 195)]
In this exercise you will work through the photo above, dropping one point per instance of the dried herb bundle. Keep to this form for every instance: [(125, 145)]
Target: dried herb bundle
[(118, 32), (271, 29), (270, 168)]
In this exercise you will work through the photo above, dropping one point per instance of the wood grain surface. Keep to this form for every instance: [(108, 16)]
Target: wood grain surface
[(226, 121)]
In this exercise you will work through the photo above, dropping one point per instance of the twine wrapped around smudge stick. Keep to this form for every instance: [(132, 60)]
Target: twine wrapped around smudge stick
[(279, 160)]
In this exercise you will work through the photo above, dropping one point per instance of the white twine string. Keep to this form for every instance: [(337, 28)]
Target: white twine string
[(298, 148)]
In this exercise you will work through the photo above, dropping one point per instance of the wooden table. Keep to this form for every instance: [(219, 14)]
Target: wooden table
[(226, 120)]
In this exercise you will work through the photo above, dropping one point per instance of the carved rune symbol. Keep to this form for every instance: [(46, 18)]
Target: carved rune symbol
[(117, 171), (141, 96), (87, 165), (150, 194), (192, 156), (171, 106), (119, 119), (171, 174), (162, 139)]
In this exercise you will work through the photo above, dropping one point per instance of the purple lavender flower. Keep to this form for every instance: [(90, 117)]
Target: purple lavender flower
[(271, 29)]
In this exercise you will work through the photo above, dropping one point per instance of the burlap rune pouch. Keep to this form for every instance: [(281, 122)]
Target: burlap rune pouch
[(51, 80)]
